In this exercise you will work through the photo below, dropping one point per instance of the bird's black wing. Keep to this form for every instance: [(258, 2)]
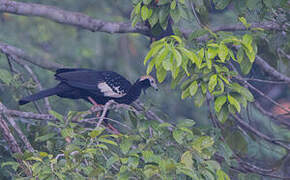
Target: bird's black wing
[(101, 83)]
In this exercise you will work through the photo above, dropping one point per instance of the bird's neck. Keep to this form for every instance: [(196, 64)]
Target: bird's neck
[(133, 94)]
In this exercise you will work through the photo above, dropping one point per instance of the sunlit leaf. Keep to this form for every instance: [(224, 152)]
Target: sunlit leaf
[(212, 83), (219, 102), (234, 102)]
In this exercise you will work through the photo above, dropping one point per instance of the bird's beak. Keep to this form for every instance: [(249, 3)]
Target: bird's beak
[(155, 87)]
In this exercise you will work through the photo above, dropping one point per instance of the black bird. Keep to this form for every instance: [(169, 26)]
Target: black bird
[(97, 87)]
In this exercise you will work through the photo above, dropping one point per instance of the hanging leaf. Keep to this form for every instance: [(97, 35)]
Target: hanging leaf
[(212, 83), (193, 88), (144, 12), (177, 56), (161, 74), (219, 102), (234, 102), (223, 52)]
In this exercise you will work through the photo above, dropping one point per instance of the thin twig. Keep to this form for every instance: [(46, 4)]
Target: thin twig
[(104, 112), (16, 127), (266, 81)]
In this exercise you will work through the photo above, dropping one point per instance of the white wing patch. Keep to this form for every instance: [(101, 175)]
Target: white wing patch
[(109, 92)]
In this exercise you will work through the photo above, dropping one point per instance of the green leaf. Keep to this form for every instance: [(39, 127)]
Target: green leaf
[(111, 161), (212, 83), (221, 175), (173, 4), (147, 2), (219, 102), (163, 16), (186, 123), (177, 38), (186, 159), (135, 20), (147, 155), (175, 14), (67, 132), (203, 86), (236, 141), (177, 56), (153, 18), (96, 132), (45, 137), (5, 76), (240, 55), (107, 141), (33, 158), (150, 67), (178, 135), (161, 74), (221, 4), (246, 66), (161, 56), (137, 8), (13, 164), (244, 21), (199, 99), (223, 52), (185, 93), (247, 94), (154, 50), (162, 125), (223, 114), (163, 2), (144, 13), (247, 39), (191, 55), (212, 52), (193, 88), (167, 63), (56, 115), (234, 102), (126, 145), (251, 55)]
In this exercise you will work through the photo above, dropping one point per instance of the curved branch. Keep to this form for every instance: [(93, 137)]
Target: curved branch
[(39, 61), (70, 18), (269, 69), (259, 134)]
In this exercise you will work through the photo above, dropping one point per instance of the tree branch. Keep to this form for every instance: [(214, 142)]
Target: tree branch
[(259, 134), (17, 129), (36, 60), (70, 18), (269, 69)]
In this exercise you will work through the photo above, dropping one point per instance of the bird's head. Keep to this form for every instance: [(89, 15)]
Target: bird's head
[(148, 81)]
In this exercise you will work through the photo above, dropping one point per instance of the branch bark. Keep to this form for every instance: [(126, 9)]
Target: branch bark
[(16, 127), (71, 18), (259, 134), (22, 55), (269, 69)]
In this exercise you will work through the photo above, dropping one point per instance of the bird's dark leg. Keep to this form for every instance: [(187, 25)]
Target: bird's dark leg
[(95, 105), (115, 131)]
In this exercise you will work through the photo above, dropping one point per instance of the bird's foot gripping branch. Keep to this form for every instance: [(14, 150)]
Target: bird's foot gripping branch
[(206, 70)]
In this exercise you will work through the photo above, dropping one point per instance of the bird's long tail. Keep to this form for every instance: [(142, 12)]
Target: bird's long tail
[(39, 95)]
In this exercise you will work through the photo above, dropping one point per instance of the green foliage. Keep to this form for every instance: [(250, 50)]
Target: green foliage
[(205, 69), (153, 150)]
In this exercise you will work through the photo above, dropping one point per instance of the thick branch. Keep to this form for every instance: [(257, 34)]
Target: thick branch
[(269, 69), (259, 134), (70, 18), (39, 61)]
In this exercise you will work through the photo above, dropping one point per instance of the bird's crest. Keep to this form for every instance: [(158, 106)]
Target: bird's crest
[(147, 77)]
